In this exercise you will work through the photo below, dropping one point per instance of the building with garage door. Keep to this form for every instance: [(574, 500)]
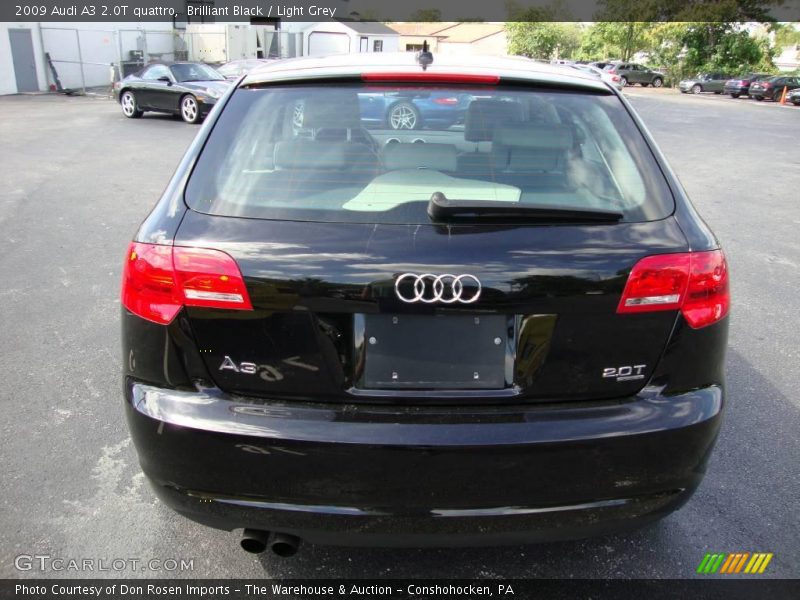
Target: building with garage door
[(349, 37)]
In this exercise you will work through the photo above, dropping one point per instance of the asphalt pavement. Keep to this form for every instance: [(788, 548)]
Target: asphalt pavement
[(77, 178)]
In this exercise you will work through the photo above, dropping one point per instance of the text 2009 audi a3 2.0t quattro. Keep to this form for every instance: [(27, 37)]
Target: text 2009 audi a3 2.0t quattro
[(510, 329)]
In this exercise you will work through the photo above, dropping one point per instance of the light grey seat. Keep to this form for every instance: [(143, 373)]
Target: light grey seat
[(483, 117), (439, 157)]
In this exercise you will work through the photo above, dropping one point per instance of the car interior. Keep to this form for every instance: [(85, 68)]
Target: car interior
[(308, 149)]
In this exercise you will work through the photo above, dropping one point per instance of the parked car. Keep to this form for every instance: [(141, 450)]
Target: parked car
[(413, 109), (187, 89), (599, 64), (773, 87), (704, 82), (236, 68), (740, 86), (631, 73), (611, 79), (508, 332), (794, 97)]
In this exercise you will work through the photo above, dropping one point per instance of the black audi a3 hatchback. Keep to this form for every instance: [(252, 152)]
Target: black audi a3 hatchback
[(507, 330)]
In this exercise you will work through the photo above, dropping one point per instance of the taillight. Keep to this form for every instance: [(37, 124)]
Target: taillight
[(615, 78), (446, 101), (694, 282), (158, 280)]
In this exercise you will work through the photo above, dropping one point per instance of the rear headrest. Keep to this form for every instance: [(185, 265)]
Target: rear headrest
[(556, 137), (308, 154), (484, 116), (439, 157), (334, 109)]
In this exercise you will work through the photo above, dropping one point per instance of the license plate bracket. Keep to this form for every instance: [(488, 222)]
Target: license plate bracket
[(455, 352)]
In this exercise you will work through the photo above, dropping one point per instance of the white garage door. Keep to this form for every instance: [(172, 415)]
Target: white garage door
[(321, 43)]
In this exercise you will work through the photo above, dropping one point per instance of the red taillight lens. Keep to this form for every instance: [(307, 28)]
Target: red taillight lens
[(209, 278), (656, 283), (694, 282), (148, 283), (158, 280), (708, 298), (446, 101)]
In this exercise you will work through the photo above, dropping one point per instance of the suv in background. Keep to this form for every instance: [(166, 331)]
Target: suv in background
[(741, 86), (631, 73), (704, 82)]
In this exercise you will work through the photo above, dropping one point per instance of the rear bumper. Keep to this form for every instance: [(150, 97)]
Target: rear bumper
[(737, 89), (368, 475)]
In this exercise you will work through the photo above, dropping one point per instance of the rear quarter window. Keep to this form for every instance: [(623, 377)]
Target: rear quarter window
[(352, 153)]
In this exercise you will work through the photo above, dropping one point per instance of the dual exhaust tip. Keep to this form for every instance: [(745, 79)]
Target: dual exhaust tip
[(257, 541)]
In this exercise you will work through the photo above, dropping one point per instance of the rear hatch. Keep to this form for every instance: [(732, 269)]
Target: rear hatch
[(361, 291), (321, 292)]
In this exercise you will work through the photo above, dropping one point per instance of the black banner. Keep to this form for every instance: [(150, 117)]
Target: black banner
[(359, 589), (390, 10)]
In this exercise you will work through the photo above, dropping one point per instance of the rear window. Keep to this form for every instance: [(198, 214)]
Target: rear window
[(366, 154)]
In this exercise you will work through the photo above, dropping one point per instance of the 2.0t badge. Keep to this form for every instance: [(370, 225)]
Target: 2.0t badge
[(625, 372)]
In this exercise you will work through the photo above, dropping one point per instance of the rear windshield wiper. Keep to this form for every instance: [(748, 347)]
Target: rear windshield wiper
[(442, 209)]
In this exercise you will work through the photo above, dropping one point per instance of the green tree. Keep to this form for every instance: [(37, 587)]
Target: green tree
[(687, 48), (786, 34), (612, 39), (543, 40)]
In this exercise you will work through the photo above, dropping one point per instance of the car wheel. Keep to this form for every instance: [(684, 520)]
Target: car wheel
[(734, 96), (697, 88), (623, 81), (129, 107), (190, 110), (658, 82), (404, 115), (759, 98)]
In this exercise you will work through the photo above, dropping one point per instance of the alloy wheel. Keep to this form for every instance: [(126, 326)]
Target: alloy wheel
[(189, 109), (128, 104), (403, 116)]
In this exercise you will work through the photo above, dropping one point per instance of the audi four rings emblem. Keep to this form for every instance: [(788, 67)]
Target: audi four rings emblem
[(445, 288)]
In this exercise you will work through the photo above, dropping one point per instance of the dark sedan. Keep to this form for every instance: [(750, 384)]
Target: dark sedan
[(741, 85), (186, 89), (773, 87)]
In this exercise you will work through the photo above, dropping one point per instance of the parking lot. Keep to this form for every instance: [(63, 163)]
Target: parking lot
[(78, 178)]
